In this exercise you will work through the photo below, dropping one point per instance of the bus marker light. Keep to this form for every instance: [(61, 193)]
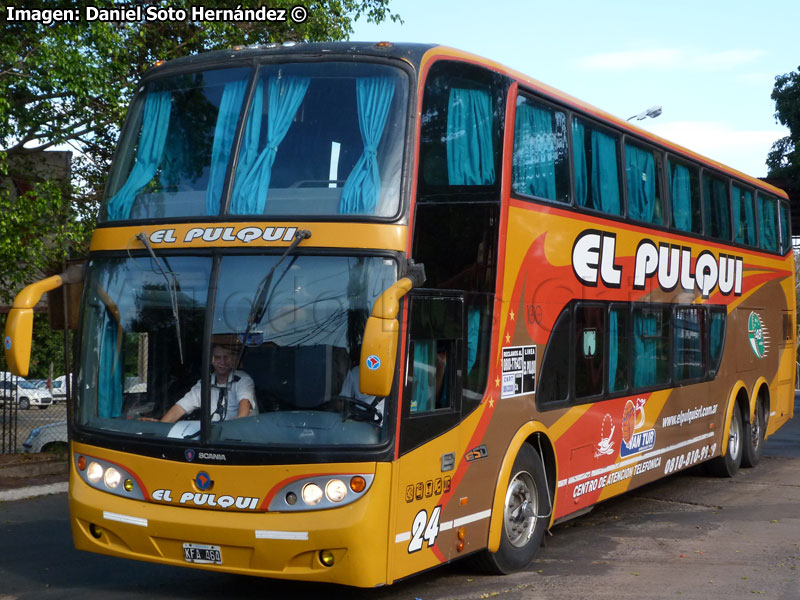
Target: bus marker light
[(94, 472), (462, 533), (463, 501), (291, 498), (326, 557), (358, 484), (336, 490), (312, 494), (460, 546)]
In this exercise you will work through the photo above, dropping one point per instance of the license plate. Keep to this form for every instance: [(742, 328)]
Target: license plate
[(202, 554)]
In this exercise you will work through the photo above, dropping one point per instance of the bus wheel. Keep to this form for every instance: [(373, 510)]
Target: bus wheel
[(754, 437), (526, 513), (726, 466)]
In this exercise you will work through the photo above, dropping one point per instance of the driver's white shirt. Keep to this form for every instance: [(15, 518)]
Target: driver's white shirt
[(239, 386)]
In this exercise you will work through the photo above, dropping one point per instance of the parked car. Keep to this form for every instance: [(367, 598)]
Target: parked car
[(58, 389), (24, 392), (47, 438)]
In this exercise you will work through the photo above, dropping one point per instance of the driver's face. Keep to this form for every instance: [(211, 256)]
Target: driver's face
[(222, 362)]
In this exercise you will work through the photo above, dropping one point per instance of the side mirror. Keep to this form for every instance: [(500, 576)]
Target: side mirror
[(19, 324), (379, 345)]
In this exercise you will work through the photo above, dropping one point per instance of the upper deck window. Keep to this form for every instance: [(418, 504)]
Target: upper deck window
[(767, 223), (684, 185), (716, 204), (643, 171), (318, 139), (595, 155), (176, 146)]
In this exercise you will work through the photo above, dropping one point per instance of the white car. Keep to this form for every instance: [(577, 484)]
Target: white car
[(47, 438), (24, 392)]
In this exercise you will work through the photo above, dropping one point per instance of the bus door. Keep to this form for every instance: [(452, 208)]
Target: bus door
[(428, 439)]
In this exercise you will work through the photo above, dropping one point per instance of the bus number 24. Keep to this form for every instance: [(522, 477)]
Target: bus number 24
[(424, 530)]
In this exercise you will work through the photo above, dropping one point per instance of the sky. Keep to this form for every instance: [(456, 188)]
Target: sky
[(711, 65)]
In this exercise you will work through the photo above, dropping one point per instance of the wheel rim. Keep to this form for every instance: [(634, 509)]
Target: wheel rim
[(755, 429), (521, 508), (734, 438)]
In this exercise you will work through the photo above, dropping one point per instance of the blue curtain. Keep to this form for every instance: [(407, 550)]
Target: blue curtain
[(579, 159), (284, 96), (645, 348), (155, 123), (363, 186), (227, 118), (613, 350), (681, 198), (470, 151), (641, 174), (718, 218), (744, 222), (767, 217), (534, 168), (109, 384), (605, 177), (473, 332)]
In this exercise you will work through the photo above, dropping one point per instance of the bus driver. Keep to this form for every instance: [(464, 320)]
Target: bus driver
[(232, 391)]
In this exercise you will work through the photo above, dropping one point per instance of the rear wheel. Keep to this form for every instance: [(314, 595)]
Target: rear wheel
[(526, 513), (754, 437), (726, 466)]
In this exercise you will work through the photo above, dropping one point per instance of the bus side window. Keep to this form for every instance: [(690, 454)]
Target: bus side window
[(643, 169), (717, 208), (589, 350), (684, 188), (554, 375), (540, 162), (716, 338), (651, 341), (596, 166)]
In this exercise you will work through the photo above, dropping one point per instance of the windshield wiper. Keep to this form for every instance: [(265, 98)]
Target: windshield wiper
[(172, 286), (260, 301)]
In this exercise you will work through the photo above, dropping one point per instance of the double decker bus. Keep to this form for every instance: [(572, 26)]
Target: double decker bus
[(461, 307)]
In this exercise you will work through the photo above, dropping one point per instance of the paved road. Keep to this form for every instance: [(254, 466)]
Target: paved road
[(687, 536)]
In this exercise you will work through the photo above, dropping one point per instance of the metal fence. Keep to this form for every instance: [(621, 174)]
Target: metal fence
[(30, 409)]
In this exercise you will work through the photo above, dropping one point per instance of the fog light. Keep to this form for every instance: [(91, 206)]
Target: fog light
[(95, 531), (94, 472), (112, 478), (128, 485), (312, 494), (326, 558), (336, 490)]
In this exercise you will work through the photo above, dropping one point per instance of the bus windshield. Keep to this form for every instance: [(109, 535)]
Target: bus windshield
[(295, 373), (316, 139)]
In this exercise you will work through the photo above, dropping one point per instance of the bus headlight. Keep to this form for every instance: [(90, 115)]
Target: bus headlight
[(94, 472), (112, 478), (336, 490), (312, 494)]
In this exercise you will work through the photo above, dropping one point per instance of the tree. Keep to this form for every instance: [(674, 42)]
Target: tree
[(67, 82), (784, 157)]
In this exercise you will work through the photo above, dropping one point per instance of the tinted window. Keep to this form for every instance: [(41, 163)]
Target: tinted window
[(618, 348), (786, 226), (643, 175), (651, 338), (716, 206), (596, 168), (684, 185), (689, 343), (767, 223), (554, 375), (589, 350), (744, 216), (540, 165), (716, 337)]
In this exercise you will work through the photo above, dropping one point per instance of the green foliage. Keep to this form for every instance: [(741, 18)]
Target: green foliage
[(70, 83), (784, 157)]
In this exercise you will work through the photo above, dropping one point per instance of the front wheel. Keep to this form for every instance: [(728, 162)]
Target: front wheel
[(24, 403), (526, 513), (728, 465), (754, 437)]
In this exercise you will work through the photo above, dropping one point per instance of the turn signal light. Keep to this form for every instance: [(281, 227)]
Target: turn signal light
[(358, 484)]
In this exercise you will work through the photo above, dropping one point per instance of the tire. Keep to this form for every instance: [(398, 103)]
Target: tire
[(728, 465), (526, 514), (24, 403), (753, 443)]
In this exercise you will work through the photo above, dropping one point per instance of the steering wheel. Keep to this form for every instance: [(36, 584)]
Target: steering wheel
[(358, 410)]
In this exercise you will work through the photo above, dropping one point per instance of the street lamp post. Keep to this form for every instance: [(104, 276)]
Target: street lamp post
[(651, 112)]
